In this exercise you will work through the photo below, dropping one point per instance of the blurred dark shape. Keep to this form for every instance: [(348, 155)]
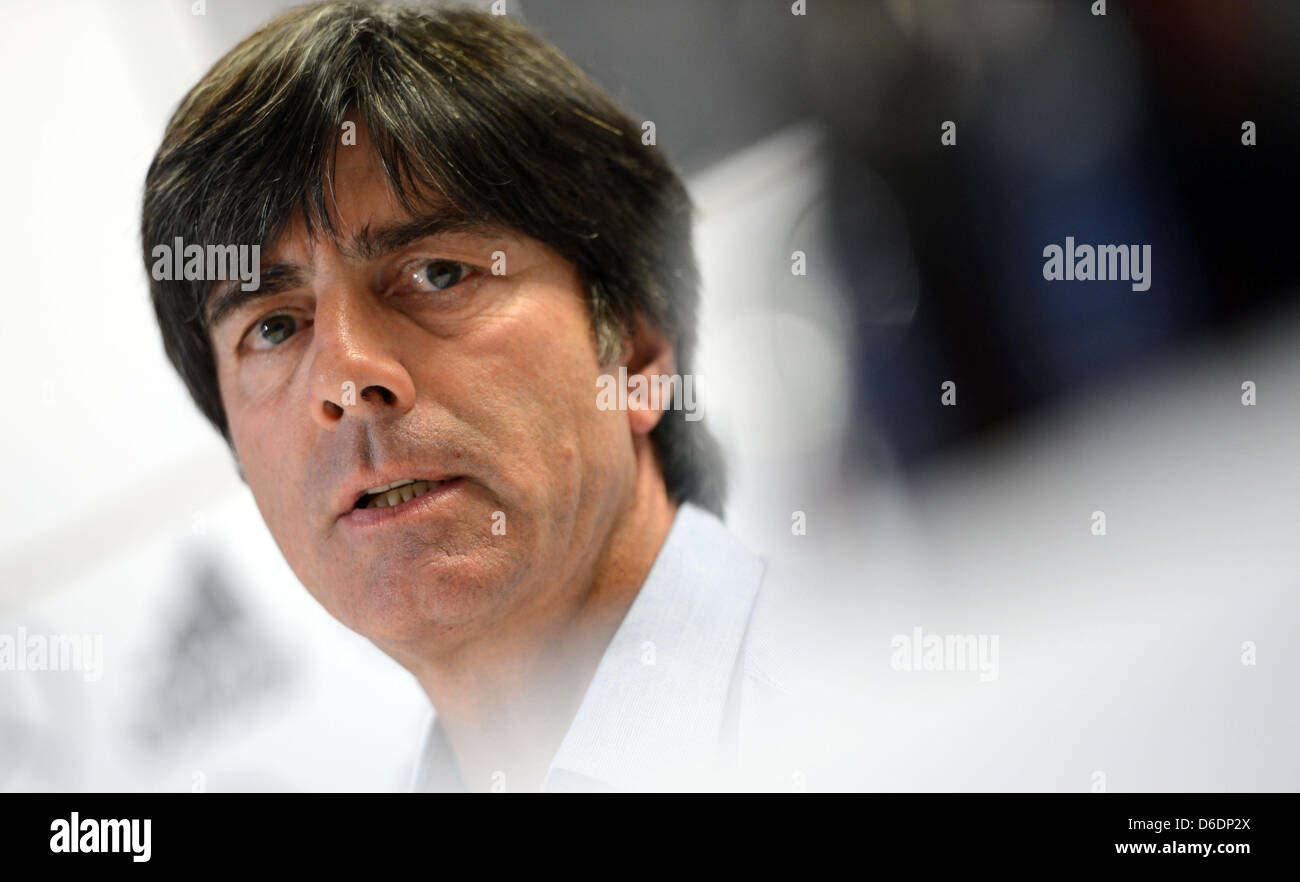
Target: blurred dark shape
[(215, 662), (1112, 130)]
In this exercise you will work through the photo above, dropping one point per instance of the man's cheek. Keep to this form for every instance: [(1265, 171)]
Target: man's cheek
[(263, 476)]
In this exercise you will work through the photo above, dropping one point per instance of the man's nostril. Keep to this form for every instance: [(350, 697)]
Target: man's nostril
[(385, 395)]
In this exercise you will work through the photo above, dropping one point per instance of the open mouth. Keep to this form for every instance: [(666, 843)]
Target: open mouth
[(396, 493)]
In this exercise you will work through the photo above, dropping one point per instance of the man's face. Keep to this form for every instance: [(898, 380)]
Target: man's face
[(415, 361)]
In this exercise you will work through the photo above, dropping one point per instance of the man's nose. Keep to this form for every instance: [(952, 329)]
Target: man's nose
[(355, 371)]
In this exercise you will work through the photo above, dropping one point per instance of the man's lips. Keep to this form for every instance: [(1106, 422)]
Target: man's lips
[(405, 509), (375, 491)]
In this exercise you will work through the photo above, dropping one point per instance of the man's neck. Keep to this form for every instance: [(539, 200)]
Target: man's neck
[(506, 703)]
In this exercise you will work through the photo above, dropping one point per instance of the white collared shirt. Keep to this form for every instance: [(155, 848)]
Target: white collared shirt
[(687, 690)]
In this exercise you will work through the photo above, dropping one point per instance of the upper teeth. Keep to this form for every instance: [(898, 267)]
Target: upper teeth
[(398, 492), (391, 486)]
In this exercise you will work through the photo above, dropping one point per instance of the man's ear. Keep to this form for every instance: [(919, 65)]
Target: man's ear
[(650, 356)]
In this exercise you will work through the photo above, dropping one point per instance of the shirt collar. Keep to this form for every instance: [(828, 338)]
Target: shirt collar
[(654, 715)]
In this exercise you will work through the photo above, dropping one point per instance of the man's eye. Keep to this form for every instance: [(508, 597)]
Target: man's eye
[(439, 275), (273, 331)]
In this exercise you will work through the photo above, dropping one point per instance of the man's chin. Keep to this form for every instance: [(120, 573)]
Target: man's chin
[(395, 604)]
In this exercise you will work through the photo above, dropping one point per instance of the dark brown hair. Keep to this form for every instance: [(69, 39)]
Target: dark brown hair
[(471, 106)]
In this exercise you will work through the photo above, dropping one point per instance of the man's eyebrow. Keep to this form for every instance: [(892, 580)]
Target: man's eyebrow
[(230, 296), (371, 244)]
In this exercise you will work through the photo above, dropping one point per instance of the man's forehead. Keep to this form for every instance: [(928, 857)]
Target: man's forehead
[(364, 235), (358, 196), (357, 190)]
